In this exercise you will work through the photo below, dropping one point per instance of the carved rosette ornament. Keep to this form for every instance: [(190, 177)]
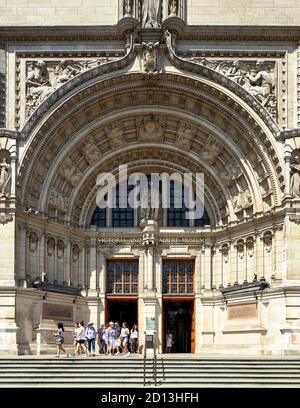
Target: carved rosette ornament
[(5, 218)]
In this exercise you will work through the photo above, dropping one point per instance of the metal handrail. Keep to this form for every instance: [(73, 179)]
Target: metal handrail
[(154, 359)]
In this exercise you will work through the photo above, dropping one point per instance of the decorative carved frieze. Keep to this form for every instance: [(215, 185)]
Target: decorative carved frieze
[(44, 76), (150, 129), (257, 77)]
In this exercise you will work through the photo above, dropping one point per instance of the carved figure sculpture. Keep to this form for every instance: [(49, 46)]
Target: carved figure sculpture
[(150, 56), (127, 8), (150, 204), (151, 13), (38, 82), (5, 178), (173, 7), (261, 84), (295, 180)]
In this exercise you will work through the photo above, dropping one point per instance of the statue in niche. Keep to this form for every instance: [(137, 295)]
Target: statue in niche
[(5, 178), (295, 180), (33, 241), (150, 204), (261, 84), (127, 8), (38, 83), (150, 56), (151, 13), (173, 7)]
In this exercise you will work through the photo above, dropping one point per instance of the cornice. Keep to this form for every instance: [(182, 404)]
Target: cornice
[(190, 32)]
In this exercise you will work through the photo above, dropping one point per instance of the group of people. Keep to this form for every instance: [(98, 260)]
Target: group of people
[(112, 339)]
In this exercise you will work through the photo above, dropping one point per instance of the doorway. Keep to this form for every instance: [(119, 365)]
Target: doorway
[(122, 311), (179, 320)]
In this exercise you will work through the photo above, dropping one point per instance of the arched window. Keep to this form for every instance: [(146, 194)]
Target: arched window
[(128, 217)]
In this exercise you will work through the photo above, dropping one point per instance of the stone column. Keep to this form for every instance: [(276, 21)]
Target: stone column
[(42, 255), (82, 268), (22, 242), (232, 263), (92, 271), (197, 279), (207, 265), (67, 278)]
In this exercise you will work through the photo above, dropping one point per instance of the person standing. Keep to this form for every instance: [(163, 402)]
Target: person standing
[(81, 338), (59, 339), (90, 334), (101, 342), (125, 338), (169, 342), (134, 337), (111, 338), (75, 332)]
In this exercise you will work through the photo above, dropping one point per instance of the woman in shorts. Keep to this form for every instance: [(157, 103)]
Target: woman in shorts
[(125, 338), (81, 338), (59, 339)]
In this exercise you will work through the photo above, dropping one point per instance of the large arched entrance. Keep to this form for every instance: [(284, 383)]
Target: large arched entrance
[(181, 118)]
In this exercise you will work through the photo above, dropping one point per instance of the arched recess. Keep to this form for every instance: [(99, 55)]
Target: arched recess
[(203, 127)]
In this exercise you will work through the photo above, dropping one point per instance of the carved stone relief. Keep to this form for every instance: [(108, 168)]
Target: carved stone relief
[(230, 173), (211, 151), (58, 200), (257, 77), (150, 129), (43, 77), (70, 173), (242, 201), (185, 136), (115, 136), (91, 153), (150, 56)]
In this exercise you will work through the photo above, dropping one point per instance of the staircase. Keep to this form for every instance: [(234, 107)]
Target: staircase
[(172, 371)]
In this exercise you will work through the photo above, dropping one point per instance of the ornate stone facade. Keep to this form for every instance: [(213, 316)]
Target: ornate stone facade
[(159, 95)]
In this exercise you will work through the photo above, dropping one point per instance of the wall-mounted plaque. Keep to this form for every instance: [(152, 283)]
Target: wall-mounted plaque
[(57, 312), (237, 312)]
